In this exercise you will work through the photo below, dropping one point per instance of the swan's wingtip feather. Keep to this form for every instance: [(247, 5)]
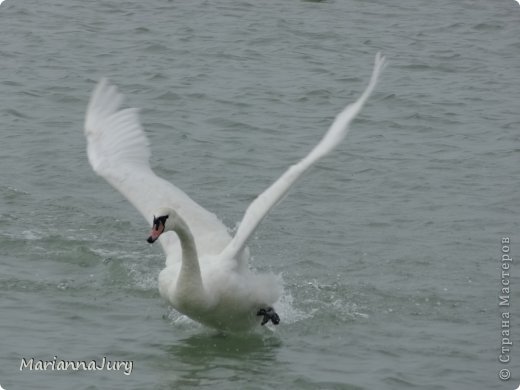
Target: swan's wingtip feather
[(380, 63), (338, 130), (114, 135)]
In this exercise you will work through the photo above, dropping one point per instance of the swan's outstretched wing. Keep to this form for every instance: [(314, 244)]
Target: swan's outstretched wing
[(118, 151), (259, 208)]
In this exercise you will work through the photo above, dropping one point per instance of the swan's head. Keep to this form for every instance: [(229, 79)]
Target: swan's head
[(159, 224)]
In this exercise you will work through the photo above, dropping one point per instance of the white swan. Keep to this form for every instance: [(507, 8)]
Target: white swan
[(206, 276)]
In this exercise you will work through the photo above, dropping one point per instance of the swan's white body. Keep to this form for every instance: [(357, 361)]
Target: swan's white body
[(207, 275)]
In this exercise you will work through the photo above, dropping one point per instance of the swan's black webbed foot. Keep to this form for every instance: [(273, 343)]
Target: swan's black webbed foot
[(269, 315)]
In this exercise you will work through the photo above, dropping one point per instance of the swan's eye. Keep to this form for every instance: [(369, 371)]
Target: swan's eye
[(159, 225), (159, 220)]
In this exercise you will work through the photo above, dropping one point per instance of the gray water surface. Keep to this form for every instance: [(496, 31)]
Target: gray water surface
[(389, 248)]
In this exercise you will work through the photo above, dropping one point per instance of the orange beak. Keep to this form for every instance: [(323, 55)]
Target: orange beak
[(156, 231)]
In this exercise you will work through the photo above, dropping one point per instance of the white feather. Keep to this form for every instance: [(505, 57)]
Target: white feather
[(224, 293), (118, 151), (261, 206)]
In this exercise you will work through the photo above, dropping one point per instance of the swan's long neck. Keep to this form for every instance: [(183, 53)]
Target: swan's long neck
[(189, 295), (190, 268)]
